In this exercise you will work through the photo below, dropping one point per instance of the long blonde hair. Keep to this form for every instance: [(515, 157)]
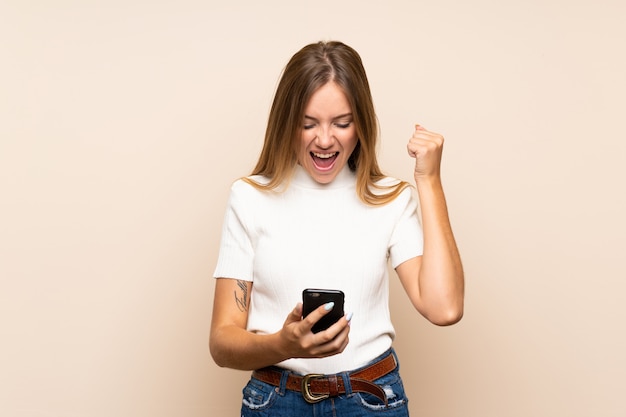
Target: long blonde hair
[(308, 70)]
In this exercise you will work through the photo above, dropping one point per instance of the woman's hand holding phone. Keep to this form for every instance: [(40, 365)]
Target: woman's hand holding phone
[(299, 340)]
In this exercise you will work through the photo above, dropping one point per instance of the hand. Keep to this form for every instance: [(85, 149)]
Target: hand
[(426, 147), (301, 342)]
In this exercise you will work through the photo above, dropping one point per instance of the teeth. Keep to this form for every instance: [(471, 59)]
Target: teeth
[(324, 155)]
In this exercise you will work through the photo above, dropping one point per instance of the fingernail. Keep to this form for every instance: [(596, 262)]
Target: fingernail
[(329, 306), (349, 316)]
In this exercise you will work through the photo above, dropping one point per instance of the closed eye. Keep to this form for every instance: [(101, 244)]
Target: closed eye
[(343, 125)]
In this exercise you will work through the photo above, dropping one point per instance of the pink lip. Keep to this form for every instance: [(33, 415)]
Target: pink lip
[(324, 168)]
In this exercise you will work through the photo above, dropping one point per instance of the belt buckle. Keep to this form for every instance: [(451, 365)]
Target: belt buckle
[(306, 390)]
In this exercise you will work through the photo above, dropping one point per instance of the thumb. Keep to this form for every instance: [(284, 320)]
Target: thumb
[(295, 314)]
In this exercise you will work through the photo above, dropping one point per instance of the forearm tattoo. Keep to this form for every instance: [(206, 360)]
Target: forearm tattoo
[(241, 299)]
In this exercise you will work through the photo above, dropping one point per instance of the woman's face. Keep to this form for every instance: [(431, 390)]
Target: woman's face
[(328, 134)]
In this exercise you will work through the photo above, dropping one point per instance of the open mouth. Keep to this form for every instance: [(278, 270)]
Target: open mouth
[(324, 161)]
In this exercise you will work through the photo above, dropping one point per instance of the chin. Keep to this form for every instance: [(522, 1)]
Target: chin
[(326, 178), (323, 177)]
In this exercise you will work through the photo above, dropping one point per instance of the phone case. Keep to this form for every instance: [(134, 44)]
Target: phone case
[(313, 298)]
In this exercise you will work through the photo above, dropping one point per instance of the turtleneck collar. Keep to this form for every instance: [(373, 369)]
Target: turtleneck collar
[(344, 178)]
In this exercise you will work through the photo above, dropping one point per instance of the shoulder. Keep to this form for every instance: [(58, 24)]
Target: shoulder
[(388, 181), (249, 192), (387, 185), (248, 185)]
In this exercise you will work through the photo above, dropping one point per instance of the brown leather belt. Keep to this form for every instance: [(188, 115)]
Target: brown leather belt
[(317, 387)]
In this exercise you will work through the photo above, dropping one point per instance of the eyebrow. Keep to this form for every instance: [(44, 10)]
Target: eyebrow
[(341, 116)]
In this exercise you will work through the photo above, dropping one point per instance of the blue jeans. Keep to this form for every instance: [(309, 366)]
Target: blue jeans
[(264, 400)]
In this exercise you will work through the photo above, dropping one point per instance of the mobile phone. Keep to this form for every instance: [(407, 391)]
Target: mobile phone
[(313, 298)]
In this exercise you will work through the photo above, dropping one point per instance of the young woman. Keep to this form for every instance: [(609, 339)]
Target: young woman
[(318, 212)]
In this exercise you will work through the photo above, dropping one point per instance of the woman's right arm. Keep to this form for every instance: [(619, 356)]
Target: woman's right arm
[(232, 346)]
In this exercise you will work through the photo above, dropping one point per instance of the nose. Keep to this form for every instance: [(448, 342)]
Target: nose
[(324, 138)]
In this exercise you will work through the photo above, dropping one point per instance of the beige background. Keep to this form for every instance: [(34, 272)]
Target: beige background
[(122, 124)]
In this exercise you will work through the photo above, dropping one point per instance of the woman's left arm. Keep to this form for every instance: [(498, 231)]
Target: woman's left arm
[(434, 281)]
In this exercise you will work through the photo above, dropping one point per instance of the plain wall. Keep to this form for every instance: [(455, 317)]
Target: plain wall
[(123, 123)]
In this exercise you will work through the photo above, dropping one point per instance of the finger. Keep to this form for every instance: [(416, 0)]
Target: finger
[(425, 145), (298, 310), (295, 314), (416, 143), (318, 313), (421, 131), (410, 150), (335, 339), (423, 135), (417, 147), (342, 325)]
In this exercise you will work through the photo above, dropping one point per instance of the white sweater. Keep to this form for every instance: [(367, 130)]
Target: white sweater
[(319, 236)]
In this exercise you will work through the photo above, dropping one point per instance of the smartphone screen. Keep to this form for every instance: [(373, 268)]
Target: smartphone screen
[(313, 298)]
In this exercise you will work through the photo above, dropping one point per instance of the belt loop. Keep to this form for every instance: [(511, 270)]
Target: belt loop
[(333, 388), (282, 387), (346, 383)]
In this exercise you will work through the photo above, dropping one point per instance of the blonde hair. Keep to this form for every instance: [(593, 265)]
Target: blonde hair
[(308, 70)]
